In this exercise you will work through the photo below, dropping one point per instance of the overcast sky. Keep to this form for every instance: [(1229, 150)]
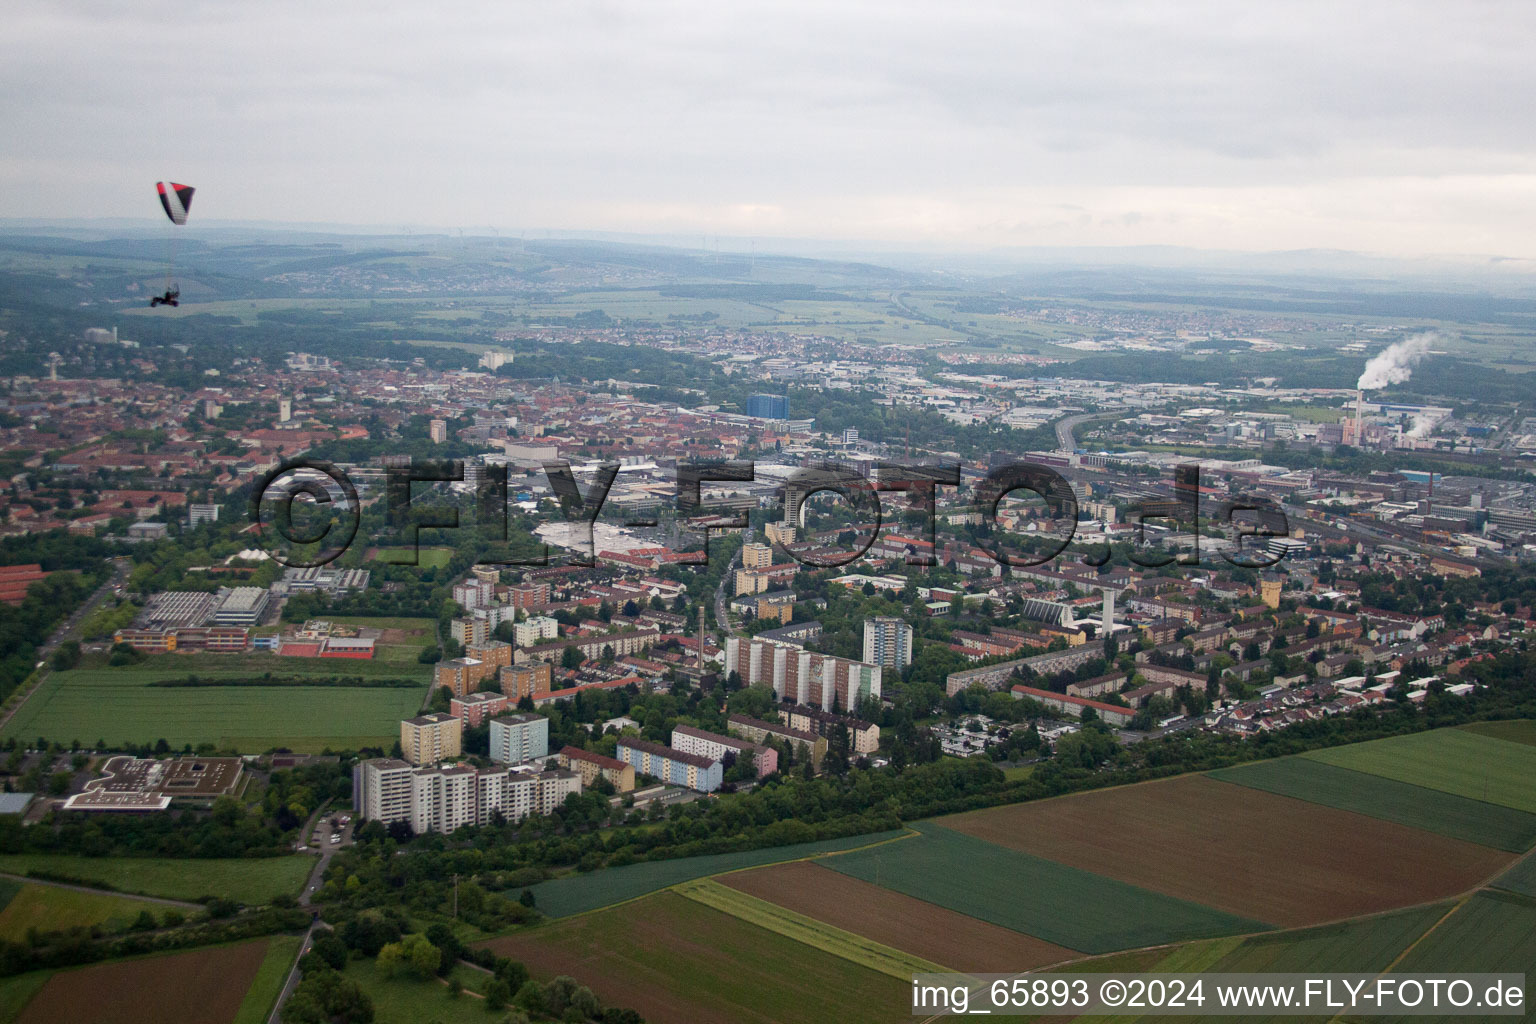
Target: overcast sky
[(1401, 128)]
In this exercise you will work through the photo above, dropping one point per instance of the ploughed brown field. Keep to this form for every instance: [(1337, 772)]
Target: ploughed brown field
[(680, 962), (1264, 856), (205, 986), (953, 940)]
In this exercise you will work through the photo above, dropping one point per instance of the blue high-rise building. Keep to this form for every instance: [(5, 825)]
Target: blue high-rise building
[(768, 407)]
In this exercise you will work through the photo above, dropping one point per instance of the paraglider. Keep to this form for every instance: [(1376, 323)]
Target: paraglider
[(176, 200)]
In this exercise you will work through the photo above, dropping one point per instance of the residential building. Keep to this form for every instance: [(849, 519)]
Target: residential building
[(765, 760), (528, 680), (592, 766), (802, 743), (801, 676), (437, 430), (671, 766), (474, 708), (863, 737), (535, 630), (768, 407), (470, 631), (887, 642), (447, 798), (519, 738), (756, 556), (201, 513), (460, 675), (430, 738), (1112, 714)]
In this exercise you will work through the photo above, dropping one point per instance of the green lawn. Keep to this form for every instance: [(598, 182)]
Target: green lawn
[(53, 908), (402, 1000), (1459, 817), (1449, 760), (253, 880), (118, 706), (577, 894), (257, 1006), (1029, 894)]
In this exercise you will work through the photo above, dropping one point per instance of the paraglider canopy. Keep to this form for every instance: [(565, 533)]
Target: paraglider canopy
[(177, 200)]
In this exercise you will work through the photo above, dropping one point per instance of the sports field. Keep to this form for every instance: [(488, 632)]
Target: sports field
[(119, 706), (1459, 817), (1244, 851), (1451, 760), (674, 959), (893, 919), (399, 640), (252, 880), (204, 986), (426, 558), (1063, 905), (577, 894), (50, 908)]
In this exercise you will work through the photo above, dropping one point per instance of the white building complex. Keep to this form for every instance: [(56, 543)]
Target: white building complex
[(447, 798)]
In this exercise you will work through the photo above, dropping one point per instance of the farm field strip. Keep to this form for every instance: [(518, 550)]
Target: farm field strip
[(1515, 730), (203, 986), (1492, 932), (1520, 878), (1244, 851), (673, 959), (1063, 905), (1451, 760), (1376, 796), (252, 880), (806, 931), (576, 894), (896, 920), (257, 1005)]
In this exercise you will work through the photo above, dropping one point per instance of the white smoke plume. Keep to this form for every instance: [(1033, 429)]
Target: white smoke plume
[(1396, 363)]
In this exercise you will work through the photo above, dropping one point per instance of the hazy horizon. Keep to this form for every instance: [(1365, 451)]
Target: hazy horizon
[(1384, 129)]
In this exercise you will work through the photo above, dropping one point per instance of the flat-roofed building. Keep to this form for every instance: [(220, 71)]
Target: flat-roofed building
[(802, 743), (430, 738), (527, 680), (443, 799), (519, 738), (474, 708), (470, 631), (863, 737), (535, 630), (460, 675), (887, 642), (242, 606)]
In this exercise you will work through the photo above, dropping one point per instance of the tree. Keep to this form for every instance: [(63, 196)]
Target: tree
[(526, 899)]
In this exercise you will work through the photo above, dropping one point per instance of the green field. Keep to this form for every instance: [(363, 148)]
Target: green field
[(577, 894), (1517, 730), (54, 908), (1502, 828), (426, 558), (119, 706), (816, 934), (253, 880), (402, 1000), (1491, 932), (1361, 946), (1039, 897), (257, 1006), (673, 959), (1449, 760), (17, 991), (1520, 878)]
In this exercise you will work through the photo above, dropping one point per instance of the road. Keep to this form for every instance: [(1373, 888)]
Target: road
[(69, 628), (722, 613), (1064, 427), (316, 826)]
